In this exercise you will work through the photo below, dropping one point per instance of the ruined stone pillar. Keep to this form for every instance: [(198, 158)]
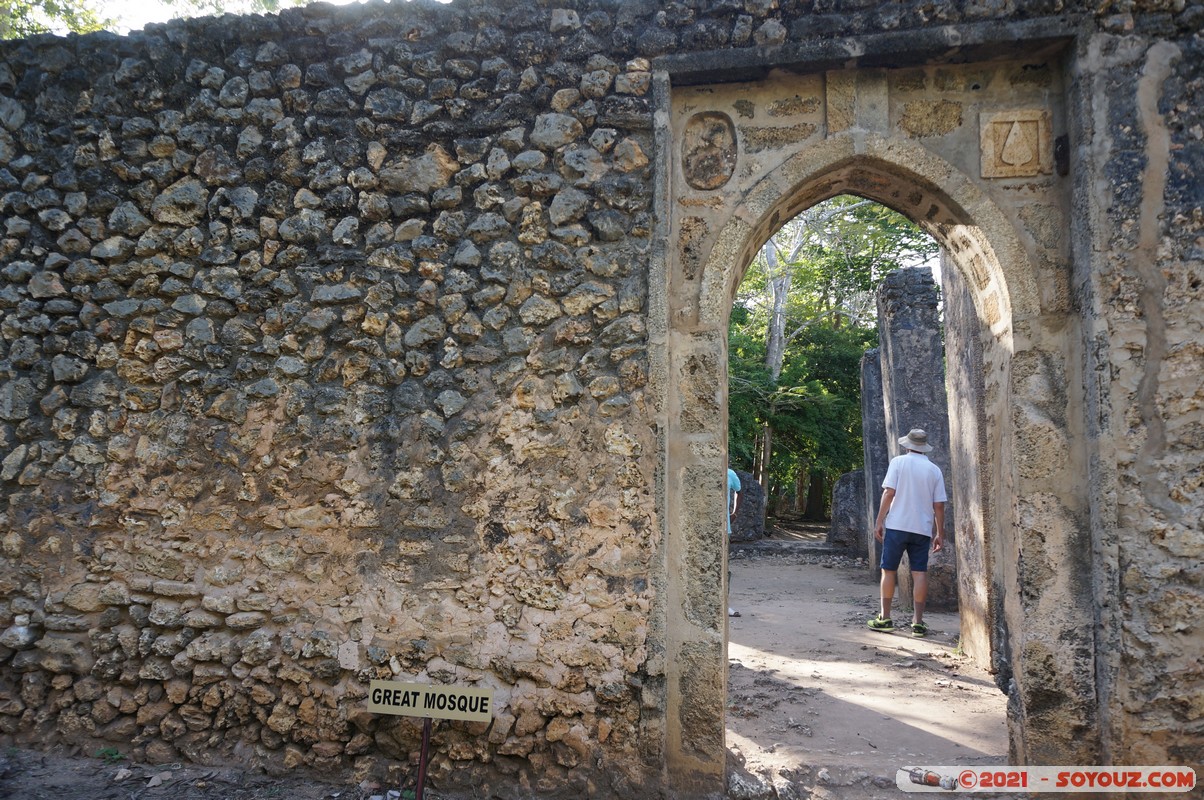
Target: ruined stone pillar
[(848, 513), (749, 522), (913, 384), (873, 446)]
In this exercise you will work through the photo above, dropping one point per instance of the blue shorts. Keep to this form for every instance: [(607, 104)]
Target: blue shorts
[(916, 545)]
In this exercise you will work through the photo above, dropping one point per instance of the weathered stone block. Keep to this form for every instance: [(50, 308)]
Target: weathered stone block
[(748, 525), (849, 513)]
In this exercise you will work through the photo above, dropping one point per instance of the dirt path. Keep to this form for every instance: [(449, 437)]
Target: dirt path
[(818, 701)]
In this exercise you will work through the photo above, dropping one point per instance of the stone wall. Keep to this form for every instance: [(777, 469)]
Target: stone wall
[(334, 346), (1139, 279), (324, 361)]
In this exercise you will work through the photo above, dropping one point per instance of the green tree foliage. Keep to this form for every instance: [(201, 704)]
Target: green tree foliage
[(813, 410), (20, 18), (199, 8), (750, 388), (803, 318)]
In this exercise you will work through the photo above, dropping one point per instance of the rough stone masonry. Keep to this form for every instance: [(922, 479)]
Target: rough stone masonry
[(332, 348)]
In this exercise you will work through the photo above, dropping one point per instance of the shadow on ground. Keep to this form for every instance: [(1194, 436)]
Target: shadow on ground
[(821, 706)]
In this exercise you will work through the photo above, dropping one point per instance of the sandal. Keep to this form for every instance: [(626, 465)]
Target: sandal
[(919, 629), (878, 623)]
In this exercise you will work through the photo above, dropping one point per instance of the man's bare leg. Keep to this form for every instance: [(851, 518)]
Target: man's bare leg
[(919, 592), (888, 591)]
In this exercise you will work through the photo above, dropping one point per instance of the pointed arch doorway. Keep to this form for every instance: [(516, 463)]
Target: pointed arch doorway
[(740, 160)]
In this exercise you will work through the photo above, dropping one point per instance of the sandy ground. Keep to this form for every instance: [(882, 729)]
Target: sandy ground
[(818, 705), (819, 702)]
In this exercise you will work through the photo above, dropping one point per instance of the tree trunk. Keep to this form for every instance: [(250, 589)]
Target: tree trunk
[(758, 465), (815, 498), (775, 344), (800, 500), (775, 348), (766, 452), (779, 291)]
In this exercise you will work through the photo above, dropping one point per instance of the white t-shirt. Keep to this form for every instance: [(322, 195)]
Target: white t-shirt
[(918, 484)]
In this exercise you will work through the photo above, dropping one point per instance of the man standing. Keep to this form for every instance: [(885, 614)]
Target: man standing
[(733, 500), (911, 518)]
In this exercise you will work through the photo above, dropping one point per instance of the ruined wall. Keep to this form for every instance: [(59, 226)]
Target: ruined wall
[(323, 361), (325, 356)]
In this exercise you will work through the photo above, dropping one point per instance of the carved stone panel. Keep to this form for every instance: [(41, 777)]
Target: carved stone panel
[(708, 150), (1016, 144)]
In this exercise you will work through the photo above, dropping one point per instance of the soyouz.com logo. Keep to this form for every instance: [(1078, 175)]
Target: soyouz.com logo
[(1046, 779)]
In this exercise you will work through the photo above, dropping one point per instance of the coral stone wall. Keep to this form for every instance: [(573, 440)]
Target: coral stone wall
[(325, 356), (1143, 297), (324, 361)]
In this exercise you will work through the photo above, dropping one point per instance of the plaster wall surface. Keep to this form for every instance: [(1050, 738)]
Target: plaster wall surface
[(372, 342)]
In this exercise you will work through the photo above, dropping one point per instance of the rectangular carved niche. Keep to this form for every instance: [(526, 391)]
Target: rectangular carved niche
[(1016, 144)]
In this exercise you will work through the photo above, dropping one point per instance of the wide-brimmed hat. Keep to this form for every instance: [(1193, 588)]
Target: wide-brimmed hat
[(916, 439)]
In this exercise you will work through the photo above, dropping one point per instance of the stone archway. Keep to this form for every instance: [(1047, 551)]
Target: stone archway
[(747, 158)]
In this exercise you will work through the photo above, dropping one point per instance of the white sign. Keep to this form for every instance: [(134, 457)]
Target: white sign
[(425, 700)]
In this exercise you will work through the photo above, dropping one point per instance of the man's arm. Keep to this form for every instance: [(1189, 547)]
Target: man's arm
[(888, 497), (938, 523)]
